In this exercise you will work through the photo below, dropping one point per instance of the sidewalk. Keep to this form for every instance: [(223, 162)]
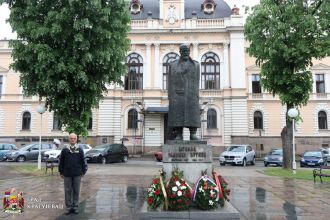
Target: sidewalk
[(117, 191)]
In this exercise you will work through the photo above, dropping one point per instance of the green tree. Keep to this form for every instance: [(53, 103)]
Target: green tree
[(67, 51), (284, 36)]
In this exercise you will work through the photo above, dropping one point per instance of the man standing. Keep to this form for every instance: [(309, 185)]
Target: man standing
[(72, 167), (183, 95)]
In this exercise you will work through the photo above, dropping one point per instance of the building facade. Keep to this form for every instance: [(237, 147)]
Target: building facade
[(235, 108)]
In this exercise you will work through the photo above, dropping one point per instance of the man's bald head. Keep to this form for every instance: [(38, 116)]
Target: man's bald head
[(72, 138)]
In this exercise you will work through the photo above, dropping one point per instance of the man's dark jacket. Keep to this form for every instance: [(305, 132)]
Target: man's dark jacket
[(72, 163)]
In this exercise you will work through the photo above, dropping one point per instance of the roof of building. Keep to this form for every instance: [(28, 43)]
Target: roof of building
[(192, 8), (221, 10)]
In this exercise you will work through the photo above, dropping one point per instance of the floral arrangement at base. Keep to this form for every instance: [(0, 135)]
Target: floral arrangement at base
[(156, 195), (206, 192), (178, 192), (224, 191)]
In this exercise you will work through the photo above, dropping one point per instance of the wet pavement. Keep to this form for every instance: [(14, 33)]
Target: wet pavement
[(116, 191)]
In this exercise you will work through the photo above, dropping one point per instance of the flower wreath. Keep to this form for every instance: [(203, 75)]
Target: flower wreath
[(156, 194), (224, 191), (206, 192), (178, 192)]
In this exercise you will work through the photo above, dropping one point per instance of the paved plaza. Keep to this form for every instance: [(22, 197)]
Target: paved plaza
[(116, 191)]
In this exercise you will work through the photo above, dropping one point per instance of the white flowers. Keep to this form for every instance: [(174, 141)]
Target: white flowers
[(201, 189), (204, 178), (174, 188), (211, 202), (177, 183), (179, 193), (183, 187)]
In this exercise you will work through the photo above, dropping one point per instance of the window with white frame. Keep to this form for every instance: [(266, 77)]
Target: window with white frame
[(57, 125), (90, 123), (132, 119), (134, 78), (26, 121), (211, 119), (258, 120), (319, 81), (256, 87), (210, 71), (323, 120), (168, 59)]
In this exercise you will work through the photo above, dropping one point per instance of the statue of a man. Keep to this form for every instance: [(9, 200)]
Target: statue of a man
[(183, 95)]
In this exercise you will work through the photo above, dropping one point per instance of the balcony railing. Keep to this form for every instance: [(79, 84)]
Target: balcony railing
[(210, 23), (133, 93)]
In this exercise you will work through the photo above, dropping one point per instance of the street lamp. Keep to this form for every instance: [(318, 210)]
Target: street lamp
[(293, 112), (40, 109)]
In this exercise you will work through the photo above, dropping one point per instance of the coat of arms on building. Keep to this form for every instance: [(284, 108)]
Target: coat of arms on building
[(13, 202), (171, 15)]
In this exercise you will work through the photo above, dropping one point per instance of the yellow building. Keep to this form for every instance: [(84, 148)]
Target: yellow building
[(235, 107)]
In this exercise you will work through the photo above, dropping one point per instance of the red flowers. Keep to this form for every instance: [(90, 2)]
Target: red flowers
[(155, 181), (150, 200), (157, 192)]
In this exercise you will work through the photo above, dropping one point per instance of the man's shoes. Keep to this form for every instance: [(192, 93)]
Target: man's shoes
[(75, 211)]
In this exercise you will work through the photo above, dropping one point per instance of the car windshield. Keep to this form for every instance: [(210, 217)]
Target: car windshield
[(237, 149), (313, 154), (276, 152), (100, 147), (27, 147)]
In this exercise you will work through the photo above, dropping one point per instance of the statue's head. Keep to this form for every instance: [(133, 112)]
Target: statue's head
[(184, 51)]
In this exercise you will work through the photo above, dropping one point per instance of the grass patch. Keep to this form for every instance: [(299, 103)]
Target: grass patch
[(29, 169), (302, 174)]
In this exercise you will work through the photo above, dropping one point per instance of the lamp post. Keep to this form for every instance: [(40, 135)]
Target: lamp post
[(40, 109), (293, 112)]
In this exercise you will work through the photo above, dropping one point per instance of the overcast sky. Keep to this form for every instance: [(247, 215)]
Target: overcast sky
[(6, 32)]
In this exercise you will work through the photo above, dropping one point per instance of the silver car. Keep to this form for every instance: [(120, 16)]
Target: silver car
[(238, 155), (29, 152)]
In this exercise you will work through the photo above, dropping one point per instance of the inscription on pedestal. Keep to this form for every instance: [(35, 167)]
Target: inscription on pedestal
[(183, 153)]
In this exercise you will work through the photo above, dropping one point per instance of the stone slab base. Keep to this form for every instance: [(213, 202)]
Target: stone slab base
[(228, 212)]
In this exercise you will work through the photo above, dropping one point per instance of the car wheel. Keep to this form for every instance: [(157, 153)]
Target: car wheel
[(326, 163), (266, 164), (20, 159), (125, 158), (222, 164), (103, 160), (301, 165), (244, 162), (253, 162)]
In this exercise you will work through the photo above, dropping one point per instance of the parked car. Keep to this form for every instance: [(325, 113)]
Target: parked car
[(238, 155), (29, 152), (5, 148), (313, 158), (274, 157), (326, 151), (107, 153), (159, 156), (56, 152)]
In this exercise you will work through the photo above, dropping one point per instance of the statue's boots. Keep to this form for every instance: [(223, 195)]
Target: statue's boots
[(179, 134), (193, 136)]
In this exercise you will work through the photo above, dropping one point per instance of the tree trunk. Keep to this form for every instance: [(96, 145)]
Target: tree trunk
[(286, 136)]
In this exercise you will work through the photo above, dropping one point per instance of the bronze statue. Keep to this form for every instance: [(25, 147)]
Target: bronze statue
[(183, 95)]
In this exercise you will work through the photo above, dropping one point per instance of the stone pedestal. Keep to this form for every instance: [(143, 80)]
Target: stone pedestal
[(191, 157), (227, 212)]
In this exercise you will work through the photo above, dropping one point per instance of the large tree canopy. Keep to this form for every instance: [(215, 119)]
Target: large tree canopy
[(285, 36), (67, 51)]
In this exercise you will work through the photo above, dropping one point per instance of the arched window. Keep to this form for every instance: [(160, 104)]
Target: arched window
[(211, 118), (134, 78), (90, 123), (57, 125), (132, 119), (168, 59), (210, 71), (257, 119), (322, 118), (26, 121)]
